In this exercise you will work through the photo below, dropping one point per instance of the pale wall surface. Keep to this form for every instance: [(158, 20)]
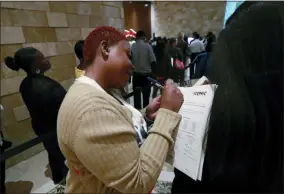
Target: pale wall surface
[(53, 28), (169, 18)]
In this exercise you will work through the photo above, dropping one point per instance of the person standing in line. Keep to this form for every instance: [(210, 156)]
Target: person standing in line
[(78, 49), (43, 97), (196, 47), (173, 53), (183, 46), (210, 41), (162, 68), (144, 60), (165, 39)]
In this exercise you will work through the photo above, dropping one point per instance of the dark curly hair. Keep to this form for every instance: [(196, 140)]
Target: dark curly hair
[(23, 59)]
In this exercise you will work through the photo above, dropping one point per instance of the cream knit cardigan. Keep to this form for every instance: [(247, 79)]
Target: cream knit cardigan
[(97, 137)]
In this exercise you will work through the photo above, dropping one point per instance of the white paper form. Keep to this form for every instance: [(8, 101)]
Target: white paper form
[(189, 140), (200, 171), (214, 87)]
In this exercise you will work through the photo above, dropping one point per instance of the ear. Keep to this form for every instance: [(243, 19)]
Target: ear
[(105, 48)]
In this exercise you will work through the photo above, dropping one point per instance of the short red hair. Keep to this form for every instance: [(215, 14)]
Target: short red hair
[(94, 39)]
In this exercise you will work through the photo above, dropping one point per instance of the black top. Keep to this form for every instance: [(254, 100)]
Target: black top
[(183, 46), (43, 97), (184, 184), (161, 67)]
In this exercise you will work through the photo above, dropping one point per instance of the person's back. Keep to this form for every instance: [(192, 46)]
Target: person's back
[(196, 46), (244, 146), (183, 46), (161, 68), (173, 53), (144, 61), (43, 108), (142, 57), (210, 41)]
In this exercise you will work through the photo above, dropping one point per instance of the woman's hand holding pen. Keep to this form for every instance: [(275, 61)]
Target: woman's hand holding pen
[(172, 98)]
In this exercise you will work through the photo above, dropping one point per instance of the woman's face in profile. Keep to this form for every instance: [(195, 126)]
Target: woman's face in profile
[(120, 67), (42, 63)]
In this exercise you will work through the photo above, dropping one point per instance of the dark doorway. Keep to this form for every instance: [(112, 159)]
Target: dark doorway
[(137, 15)]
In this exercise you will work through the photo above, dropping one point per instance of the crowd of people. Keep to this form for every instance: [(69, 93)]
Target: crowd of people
[(157, 58), (185, 49), (112, 147)]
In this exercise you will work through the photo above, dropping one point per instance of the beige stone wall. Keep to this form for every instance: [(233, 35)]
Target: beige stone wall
[(53, 28), (169, 18)]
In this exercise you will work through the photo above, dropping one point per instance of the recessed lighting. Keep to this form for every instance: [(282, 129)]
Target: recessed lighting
[(146, 5)]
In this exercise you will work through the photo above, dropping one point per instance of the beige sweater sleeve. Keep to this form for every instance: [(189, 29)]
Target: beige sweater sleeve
[(106, 145)]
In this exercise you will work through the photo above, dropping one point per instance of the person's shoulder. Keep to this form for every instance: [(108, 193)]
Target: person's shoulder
[(81, 89), (134, 44), (82, 98), (40, 79), (25, 81), (82, 93), (36, 82), (51, 83)]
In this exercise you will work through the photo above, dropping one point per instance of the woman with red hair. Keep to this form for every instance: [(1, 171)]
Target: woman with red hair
[(103, 137)]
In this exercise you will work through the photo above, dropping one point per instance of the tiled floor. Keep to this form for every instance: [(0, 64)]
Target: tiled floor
[(33, 176), (30, 176)]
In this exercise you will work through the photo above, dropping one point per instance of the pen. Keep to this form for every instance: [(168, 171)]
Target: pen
[(155, 82)]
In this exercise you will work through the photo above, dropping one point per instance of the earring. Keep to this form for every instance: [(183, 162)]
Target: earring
[(37, 71)]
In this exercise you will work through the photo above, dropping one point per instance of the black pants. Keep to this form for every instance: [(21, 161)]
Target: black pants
[(184, 184), (177, 75), (140, 81), (2, 178), (192, 67), (56, 159)]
